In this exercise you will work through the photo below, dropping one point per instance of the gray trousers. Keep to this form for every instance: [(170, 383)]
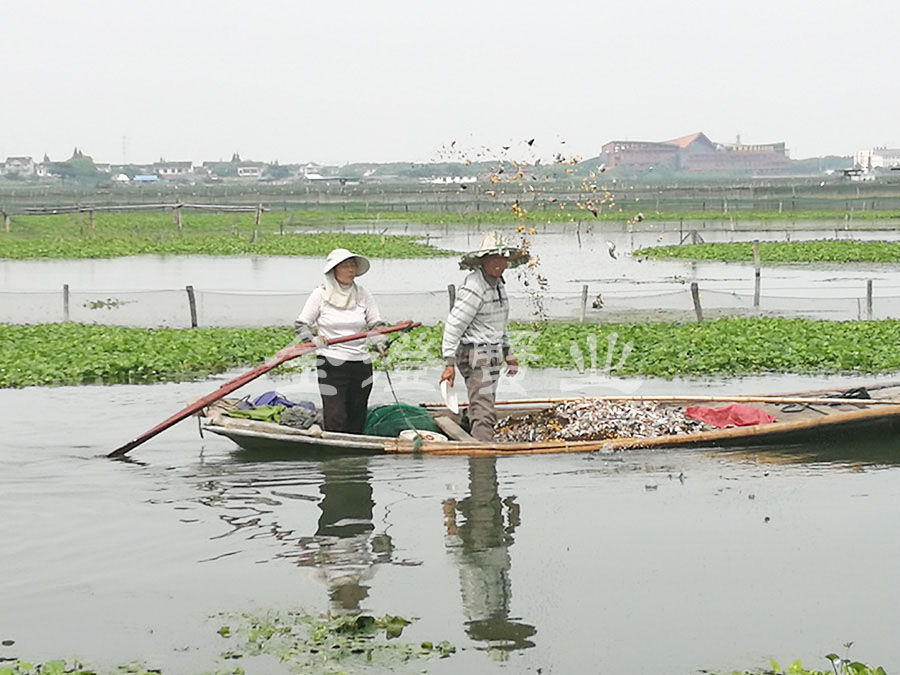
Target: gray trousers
[(480, 367)]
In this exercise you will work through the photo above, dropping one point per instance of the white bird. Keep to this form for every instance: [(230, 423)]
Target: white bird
[(611, 247)]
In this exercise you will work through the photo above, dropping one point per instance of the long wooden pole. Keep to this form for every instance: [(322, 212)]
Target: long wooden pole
[(696, 399), (283, 355), (713, 399)]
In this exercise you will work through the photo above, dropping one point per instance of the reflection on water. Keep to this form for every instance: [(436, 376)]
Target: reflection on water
[(877, 445), (345, 547), (479, 545)]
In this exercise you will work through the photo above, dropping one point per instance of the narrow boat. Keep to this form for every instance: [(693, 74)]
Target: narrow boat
[(782, 419)]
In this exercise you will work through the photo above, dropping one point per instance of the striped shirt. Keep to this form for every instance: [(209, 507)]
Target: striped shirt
[(478, 316)]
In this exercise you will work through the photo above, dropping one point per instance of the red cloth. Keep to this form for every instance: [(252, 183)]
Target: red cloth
[(734, 415)]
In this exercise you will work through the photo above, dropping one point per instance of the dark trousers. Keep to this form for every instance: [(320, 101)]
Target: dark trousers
[(345, 387)]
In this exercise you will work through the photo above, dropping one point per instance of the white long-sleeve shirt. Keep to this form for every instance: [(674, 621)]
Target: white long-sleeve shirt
[(478, 316), (332, 322)]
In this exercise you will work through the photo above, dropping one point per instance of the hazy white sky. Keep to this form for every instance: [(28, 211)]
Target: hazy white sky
[(338, 82)]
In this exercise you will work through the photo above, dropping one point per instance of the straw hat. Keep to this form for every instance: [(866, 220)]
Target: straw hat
[(494, 243), (339, 255)]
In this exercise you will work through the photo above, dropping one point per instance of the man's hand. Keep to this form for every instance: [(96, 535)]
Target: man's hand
[(320, 342), (449, 374), (512, 366)]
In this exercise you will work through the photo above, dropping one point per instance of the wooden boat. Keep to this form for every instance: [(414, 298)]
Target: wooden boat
[(798, 418)]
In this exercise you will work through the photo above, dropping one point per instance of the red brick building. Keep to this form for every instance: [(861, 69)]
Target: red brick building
[(695, 152)]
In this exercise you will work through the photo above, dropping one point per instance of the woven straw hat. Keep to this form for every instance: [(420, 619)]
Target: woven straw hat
[(494, 243)]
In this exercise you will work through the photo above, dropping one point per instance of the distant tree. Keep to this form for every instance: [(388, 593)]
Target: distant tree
[(46, 158), (80, 168), (275, 170), (235, 158)]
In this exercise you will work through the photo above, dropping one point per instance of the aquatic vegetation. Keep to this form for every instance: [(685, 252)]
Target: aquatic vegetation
[(57, 667), (125, 234), (301, 642), (374, 246), (341, 644), (726, 347), (839, 666), (843, 251), (71, 353)]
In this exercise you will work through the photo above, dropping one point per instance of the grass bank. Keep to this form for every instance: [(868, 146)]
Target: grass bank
[(74, 354)]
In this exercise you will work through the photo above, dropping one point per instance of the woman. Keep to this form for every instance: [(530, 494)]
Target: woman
[(337, 308), (475, 337)]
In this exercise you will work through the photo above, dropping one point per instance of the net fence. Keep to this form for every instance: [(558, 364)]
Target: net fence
[(595, 303)]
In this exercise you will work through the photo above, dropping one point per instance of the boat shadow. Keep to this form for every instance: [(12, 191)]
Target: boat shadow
[(877, 445)]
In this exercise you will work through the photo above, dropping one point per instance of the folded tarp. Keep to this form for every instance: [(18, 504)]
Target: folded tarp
[(735, 415)]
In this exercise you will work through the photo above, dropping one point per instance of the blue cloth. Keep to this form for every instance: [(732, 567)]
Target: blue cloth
[(273, 398)]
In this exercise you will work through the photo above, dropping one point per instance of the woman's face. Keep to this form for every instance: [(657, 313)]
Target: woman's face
[(345, 272), (494, 265)]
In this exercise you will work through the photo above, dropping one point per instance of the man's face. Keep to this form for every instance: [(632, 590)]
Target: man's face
[(494, 265)]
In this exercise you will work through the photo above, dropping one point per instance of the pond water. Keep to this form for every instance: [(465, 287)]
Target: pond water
[(637, 562), (568, 259), (149, 290)]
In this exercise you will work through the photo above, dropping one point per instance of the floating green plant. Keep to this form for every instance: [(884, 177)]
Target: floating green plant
[(308, 644), (72, 354), (832, 251)]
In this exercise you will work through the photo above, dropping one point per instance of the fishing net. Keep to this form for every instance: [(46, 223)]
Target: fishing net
[(389, 420)]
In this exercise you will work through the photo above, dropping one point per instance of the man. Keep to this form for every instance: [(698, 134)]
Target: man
[(475, 338)]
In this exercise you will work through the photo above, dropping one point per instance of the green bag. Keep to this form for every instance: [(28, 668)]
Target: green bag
[(389, 420), (262, 413)]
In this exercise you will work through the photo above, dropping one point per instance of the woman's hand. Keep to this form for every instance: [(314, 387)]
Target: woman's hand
[(449, 374), (512, 366)]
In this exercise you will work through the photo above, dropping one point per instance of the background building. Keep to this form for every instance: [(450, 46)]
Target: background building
[(695, 152)]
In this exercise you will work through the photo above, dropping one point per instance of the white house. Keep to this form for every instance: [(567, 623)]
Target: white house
[(877, 158), (19, 166), (165, 169), (249, 171)]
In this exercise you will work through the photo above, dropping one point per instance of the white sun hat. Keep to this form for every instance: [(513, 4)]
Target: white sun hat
[(339, 255), (494, 243)]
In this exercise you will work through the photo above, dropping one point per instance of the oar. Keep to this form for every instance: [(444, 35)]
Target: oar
[(699, 398), (695, 399), (283, 355)]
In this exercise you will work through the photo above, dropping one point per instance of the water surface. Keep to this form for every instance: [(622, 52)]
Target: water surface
[(639, 562)]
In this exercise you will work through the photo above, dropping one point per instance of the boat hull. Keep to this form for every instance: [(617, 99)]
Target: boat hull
[(812, 420)]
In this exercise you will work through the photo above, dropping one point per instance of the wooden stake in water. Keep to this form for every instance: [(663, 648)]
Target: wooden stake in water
[(584, 293), (756, 274), (869, 300), (192, 304), (695, 296)]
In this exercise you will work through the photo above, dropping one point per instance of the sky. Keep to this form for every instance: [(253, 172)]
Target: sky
[(383, 81)]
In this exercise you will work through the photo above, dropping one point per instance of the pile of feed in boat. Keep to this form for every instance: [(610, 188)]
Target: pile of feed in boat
[(596, 419)]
